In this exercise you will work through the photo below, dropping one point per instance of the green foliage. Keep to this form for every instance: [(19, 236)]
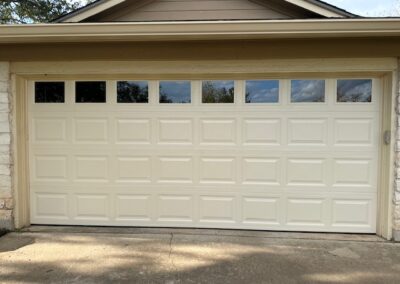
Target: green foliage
[(36, 11), (211, 94)]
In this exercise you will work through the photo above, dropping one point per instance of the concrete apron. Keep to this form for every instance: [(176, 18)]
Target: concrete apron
[(43, 254)]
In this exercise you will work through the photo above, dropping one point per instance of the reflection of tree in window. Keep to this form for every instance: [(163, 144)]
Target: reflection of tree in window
[(175, 92), (212, 93), (132, 92), (164, 97), (354, 91)]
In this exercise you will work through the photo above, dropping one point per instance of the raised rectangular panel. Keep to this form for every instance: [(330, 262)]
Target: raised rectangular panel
[(351, 213), (305, 212), (307, 131), (218, 170), (92, 206), (306, 172), (91, 130), (50, 168), (133, 169), (175, 170), (49, 130), (262, 131), (51, 205), (355, 172), (91, 169), (133, 131), (218, 131), (175, 208), (353, 132), (259, 210), (218, 209), (261, 171), (133, 207), (175, 131)]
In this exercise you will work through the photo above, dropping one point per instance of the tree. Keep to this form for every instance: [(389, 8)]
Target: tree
[(36, 11)]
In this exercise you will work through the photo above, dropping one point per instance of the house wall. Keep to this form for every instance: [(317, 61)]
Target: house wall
[(396, 193), (6, 196), (221, 52)]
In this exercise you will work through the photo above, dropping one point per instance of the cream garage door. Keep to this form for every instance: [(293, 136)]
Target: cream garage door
[(298, 154)]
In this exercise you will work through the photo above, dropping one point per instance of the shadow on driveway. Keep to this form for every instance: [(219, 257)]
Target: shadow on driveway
[(64, 257)]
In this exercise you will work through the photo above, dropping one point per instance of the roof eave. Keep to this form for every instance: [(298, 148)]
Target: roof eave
[(210, 30)]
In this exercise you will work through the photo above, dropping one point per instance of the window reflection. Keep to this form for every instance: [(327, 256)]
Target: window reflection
[(262, 91), (218, 92), (175, 92), (308, 91), (132, 92), (355, 91)]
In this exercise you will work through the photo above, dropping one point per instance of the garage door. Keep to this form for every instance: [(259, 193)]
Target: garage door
[(299, 154)]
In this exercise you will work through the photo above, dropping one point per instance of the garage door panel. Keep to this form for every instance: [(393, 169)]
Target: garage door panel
[(306, 211), (49, 205), (306, 172), (355, 132), (307, 131), (352, 213), (218, 131), (133, 131), (91, 168), (262, 132), (261, 171), (217, 209), (175, 131), (50, 130), (53, 168), (175, 208), (133, 169), (91, 130), (92, 206), (354, 173), (175, 169), (218, 170), (133, 207), (260, 210)]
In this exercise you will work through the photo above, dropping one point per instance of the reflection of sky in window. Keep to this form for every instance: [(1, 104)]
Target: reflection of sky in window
[(175, 92), (220, 84), (308, 91), (262, 91), (359, 90)]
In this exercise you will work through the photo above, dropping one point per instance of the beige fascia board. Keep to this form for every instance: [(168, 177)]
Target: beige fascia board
[(215, 30)]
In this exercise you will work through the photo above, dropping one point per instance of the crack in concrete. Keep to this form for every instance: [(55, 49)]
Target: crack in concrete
[(170, 253)]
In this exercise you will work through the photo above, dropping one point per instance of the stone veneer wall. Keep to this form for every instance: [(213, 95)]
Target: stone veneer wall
[(6, 197)]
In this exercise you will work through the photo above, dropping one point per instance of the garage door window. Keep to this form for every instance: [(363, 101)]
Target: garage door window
[(175, 92), (354, 91), (49, 92), (90, 92), (132, 92), (308, 91), (218, 91), (262, 91)]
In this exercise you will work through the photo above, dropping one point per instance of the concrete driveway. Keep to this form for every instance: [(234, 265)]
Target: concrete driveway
[(118, 255)]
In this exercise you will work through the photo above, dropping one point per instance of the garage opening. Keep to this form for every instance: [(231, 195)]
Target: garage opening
[(297, 154)]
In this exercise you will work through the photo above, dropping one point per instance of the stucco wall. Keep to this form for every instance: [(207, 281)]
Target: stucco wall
[(6, 198), (396, 197)]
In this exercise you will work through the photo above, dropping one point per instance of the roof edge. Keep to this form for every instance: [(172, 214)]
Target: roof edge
[(217, 30)]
